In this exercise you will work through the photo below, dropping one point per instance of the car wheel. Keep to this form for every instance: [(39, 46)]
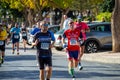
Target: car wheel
[(59, 48), (91, 47)]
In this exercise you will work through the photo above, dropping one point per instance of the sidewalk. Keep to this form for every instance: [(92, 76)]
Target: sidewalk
[(104, 57)]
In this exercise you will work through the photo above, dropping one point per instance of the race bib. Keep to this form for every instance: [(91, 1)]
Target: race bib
[(73, 42), (1, 43), (45, 46), (24, 34), (16, 36)]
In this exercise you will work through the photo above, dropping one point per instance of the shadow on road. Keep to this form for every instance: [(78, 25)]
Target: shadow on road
[(20, 57), (19, 74)]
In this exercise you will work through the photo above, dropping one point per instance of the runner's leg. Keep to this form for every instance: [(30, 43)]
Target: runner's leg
[(2, 57), (48, 72), (13, 46), (25, 42), (17, 45), (81, 54), (42, 74), (41, 67), (70, 63), (71, 67)]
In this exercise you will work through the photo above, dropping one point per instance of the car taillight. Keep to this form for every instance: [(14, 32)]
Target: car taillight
[(59, 37)]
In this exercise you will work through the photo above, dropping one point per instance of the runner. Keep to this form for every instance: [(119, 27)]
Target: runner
[(83, 27), (3, 37), (65, 23), (73, 47), (42, 40), (36, 28), (15, 32), (24, 36)]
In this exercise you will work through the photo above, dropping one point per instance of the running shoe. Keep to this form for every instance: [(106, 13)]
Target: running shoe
[(2, 60), (73, 78), (18, 53), (37, 64), (32, 47), (80, 67), (13, 52), (24, 49)]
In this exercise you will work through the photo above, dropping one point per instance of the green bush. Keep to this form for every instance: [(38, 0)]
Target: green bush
[(105, 15)]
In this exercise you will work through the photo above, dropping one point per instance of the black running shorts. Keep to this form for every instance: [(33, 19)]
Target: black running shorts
[(25, 38), (44, 61), (2, 45)]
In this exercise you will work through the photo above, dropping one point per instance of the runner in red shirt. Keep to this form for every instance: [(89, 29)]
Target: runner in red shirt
[(83, 27), (73, 46)]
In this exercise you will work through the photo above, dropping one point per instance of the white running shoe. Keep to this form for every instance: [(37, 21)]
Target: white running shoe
[(80, 67), (73, 78), (37, 64)]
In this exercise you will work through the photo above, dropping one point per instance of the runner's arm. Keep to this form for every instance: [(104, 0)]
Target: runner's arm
[(81, 39), (87, 29), (52, 38), (35, 40), (63, 40), (65, 45)]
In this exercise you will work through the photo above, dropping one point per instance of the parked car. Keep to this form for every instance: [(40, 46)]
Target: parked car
[(98, 37), (58, 43), (54, 28)]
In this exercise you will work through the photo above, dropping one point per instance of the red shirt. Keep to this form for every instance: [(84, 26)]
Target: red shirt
[(82, 26), (73, 37)]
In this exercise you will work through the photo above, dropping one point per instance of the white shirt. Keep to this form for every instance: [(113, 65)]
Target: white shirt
[(65, 24)]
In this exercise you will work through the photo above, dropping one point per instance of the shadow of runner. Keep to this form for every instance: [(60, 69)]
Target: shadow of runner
[(19, 74), (20, 58)]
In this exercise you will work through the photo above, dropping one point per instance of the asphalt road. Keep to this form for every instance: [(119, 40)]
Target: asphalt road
[(24, 67)]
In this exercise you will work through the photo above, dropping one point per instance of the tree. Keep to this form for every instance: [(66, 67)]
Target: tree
[(107, 5), (83, 5), (63, 5), (3, 9), (116, 27), (30, 8)]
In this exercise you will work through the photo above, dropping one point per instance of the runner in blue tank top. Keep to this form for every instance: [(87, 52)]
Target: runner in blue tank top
[(15, 32)]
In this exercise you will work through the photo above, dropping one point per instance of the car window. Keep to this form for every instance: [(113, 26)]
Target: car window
[(60, 31), (107, 28), (101, 28), (54, 29)]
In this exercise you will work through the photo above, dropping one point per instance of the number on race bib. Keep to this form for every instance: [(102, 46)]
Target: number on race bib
[(16, 36), (45, 46), (73, 42), (24, 34)]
